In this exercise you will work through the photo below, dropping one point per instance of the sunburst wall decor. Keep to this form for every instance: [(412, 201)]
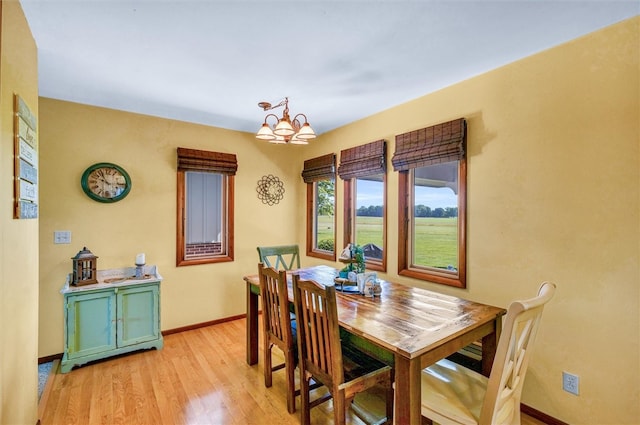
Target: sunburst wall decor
[(270, 189)]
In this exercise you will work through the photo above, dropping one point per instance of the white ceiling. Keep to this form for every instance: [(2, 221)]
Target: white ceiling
[(211, 62)]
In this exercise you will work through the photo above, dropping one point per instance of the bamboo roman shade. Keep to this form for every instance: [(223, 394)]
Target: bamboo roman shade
[(363, 160), (320, 168), (431, 145), (205, 161)]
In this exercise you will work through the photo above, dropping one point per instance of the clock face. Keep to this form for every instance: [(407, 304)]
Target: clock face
[(105, 182)]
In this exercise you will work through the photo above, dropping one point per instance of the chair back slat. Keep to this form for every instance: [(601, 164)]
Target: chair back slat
[(277, 328), (285, 257), (275, 304), (504, 388), (317, 314), (273, 310), (321, 355)]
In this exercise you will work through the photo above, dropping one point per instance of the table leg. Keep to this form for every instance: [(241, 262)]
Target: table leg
[(490, 345), (407, 403), (252, 326)]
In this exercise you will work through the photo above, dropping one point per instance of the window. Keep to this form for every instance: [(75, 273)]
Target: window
[(368, 204), (205, 207), (432, 203), (363, 170), (319, 174)]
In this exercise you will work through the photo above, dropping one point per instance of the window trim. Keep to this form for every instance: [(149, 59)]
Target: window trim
[(319, 169), (440, 143), (213, 162), (311, 249), (362, 161), (404, 234), (350, 211)]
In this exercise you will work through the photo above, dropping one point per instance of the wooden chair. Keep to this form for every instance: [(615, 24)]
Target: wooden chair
[(453, 394), (344, 370), (277, 328), (285, 256)]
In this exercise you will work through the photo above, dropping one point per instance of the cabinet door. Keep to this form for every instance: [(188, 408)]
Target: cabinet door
[(91, 323), (138, 310)]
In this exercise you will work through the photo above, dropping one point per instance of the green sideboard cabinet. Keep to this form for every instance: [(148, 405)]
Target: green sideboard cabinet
[(119, 314)]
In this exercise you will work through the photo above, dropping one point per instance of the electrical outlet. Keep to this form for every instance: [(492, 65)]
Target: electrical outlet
[(62, 236), (570, 383)]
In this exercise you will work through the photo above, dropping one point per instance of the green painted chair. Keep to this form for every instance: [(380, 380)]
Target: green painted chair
[(285, 257)]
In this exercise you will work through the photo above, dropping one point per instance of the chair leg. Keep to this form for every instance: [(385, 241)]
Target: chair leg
[(267, 366), (305, 407), (389, 402), (291, 381), (339, 408)]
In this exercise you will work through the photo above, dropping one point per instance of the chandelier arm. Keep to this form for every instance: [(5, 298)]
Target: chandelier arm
[(295, 123), (271, 115), (266, 106), (301, 115)]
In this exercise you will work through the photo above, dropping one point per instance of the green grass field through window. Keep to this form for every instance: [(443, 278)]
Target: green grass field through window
[(436, 239)]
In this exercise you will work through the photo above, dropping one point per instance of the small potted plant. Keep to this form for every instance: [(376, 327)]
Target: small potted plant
[(358, 256), (353, 255)]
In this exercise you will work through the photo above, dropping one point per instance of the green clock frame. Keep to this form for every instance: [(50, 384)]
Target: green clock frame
[(84, 181)]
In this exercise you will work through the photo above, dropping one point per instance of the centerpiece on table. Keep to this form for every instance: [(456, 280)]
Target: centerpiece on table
[(353, 256), (354, 271)]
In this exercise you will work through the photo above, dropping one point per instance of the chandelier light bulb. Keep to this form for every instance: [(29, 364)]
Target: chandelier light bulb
[(284, 128), (296, 140), (278, 140), (306, 132), (265, 133)]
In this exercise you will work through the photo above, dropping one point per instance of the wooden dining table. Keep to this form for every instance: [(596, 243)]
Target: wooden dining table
[(413, 327)]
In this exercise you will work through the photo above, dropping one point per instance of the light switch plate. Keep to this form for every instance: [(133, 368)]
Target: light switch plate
[(61, 236), (571, 383)]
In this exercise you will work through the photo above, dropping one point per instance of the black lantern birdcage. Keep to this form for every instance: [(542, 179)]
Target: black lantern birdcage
[(84, 268)]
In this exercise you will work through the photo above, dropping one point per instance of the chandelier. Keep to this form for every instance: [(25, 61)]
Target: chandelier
[(285, 130)]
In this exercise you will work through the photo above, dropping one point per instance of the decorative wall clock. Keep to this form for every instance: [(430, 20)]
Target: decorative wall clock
[(270, 190), (106, 182)]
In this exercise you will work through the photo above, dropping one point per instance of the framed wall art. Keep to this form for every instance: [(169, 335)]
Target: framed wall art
[(25, 161)]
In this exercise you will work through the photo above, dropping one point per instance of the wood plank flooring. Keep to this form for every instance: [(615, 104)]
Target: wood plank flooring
[(200, 377)]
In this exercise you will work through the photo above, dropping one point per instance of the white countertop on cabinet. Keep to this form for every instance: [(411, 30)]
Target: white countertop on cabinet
[(111, 278)]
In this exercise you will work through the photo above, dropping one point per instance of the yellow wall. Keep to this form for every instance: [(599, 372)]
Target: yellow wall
[(18, 238), (76, 136), (552, 195)]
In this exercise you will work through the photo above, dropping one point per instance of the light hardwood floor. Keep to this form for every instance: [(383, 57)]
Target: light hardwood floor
[(199, 377)]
